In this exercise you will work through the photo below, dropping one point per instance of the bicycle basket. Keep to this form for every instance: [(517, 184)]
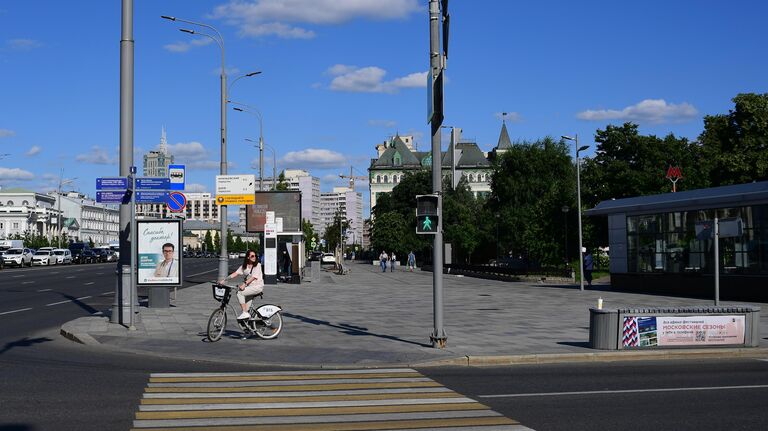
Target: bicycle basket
[(219, 292)]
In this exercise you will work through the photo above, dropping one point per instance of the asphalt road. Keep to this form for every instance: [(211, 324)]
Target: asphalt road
[(661, 395)]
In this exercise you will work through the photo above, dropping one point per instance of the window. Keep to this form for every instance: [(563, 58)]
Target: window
[(15, 225), (397, 160), (10, 203), (471, 178), (386, 180), (25, 203), (378, 178)]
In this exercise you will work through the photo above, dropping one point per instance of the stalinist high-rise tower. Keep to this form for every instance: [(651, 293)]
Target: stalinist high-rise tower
[(156, 162)]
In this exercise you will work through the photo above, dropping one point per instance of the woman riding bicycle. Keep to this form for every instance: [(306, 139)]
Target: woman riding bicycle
[(253, 282)]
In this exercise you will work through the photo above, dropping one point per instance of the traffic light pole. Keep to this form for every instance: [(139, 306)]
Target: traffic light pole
[(438, 337)]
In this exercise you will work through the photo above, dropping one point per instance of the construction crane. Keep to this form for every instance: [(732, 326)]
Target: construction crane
[(352, 177)]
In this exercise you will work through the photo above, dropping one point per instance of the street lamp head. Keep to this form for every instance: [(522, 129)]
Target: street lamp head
[(170, 18), (238, 109), (568, 138), (253, 73), (582, 148), (186, 30)]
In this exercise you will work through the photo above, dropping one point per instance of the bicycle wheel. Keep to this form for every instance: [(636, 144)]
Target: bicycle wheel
[(269, 328), (216, 324)]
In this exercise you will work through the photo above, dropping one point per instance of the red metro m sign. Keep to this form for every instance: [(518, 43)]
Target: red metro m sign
[(674, 174)]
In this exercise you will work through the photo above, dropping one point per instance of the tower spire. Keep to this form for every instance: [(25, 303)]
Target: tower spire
[(163, 142)]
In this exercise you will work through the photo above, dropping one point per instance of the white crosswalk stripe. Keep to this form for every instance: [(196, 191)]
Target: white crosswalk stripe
[(326, 400)]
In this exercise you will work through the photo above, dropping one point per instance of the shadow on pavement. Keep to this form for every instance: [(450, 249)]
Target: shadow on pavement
[(350, 329), (24, 342), (584, 344)]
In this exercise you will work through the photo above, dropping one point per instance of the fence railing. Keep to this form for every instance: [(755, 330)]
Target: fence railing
[(505, 272)]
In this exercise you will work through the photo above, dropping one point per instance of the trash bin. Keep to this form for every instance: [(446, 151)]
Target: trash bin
[(603, 329), (159, 297)]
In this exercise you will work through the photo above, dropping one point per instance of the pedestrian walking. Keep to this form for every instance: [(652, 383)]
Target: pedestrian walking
[(589, 266), (383, 261), (392, 262), (411, 261)]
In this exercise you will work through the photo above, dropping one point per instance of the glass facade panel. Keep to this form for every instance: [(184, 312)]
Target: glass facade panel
[(668, 242)]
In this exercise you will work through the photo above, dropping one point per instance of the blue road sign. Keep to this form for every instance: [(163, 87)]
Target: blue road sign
[(113, 197), (151, 197), (112, 183), (158, 183), (176, 174), (176, 201)]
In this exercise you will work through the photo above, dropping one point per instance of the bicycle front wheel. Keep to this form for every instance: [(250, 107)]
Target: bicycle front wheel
[(269, 328), (216, 324)]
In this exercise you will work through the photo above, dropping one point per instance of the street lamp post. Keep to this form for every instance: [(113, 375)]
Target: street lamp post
[(498, 216), (257, 113), (579, 149), (223, 268), (62, 182)]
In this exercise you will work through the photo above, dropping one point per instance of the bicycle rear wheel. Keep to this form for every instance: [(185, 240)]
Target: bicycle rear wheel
[(269, 328), (216, 324)]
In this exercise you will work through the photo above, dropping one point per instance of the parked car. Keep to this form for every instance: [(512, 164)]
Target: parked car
[(18, 257), (315, 255), (44, 258), (83, 256), (101, 254), (63, 256), (328, 258)]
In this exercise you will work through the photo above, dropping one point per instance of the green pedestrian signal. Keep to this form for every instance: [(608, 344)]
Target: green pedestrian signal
[(427, 214)]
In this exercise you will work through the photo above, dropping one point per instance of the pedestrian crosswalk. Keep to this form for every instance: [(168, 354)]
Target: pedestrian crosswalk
[(325, 400)]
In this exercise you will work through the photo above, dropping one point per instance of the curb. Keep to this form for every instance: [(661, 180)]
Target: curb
[(80, 338), (554, 358)]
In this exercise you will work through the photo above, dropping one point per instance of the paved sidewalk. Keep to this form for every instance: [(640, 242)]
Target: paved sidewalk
[(370, 318)]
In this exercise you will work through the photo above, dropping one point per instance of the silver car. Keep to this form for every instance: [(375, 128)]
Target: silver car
[(44, 258), (18, 257), (63, 256)]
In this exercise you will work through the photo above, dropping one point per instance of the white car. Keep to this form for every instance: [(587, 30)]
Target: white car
[(18, 257), (328, 258), (63, 256), (44, 257)]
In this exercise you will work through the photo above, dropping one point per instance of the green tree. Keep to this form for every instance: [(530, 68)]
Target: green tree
[(332, 233), (216, 241), (309, 232), (231, 241), (388, 233), (208, 241), (282, 184), (530, 184), (462, 222), (735, 145), (238, 244)]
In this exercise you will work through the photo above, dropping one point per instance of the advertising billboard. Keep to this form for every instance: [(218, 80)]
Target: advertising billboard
[(285, 204), (158, 245), (680, 331)]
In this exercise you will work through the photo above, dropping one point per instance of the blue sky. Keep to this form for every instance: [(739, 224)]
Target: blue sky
[(340, 76)]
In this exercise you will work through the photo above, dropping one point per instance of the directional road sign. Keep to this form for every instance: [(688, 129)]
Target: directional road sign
[(176, 201), (112, 183), (151, 197), (149, 183), (113, 197)]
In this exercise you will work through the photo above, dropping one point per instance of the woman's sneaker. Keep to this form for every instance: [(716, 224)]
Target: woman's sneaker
[(244, 315)]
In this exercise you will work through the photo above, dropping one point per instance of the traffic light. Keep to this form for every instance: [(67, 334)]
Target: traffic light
[(427, 214)]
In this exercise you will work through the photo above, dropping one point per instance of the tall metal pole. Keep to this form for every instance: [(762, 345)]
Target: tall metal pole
[(717, 261), (578, 199), (121, 308), (223, 258), (438, 337)]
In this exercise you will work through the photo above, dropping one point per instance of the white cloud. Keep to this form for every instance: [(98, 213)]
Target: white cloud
[(195, 188), (649, 110), (371, 79), (276, 17), (5, 133), (97, 156), (15, 174), (35, 150), (313, 158), (388, 124), (22, 44), (512, 117), (184, 46), (194, 156)]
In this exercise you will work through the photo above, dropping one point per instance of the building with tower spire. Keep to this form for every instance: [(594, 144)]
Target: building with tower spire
[(156, 162)]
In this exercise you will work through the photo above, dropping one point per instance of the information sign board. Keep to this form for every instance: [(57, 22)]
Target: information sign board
[(112, 183), (150, 183), (176, 176), (113, 197), (151, 197), (235, 184)]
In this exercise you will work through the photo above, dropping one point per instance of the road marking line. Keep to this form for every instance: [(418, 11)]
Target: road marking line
[(71, 276), (255, 383), (283, 373), (45, 290), (17, 276), (28, 282), (70, 300), (201, 273), (99, 273), (623, 391), (433, 392), (89, 283), (107, 293), (15, 311)]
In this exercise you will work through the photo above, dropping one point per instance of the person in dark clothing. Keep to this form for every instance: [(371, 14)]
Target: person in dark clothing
[(589, 266), (286, 264)]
